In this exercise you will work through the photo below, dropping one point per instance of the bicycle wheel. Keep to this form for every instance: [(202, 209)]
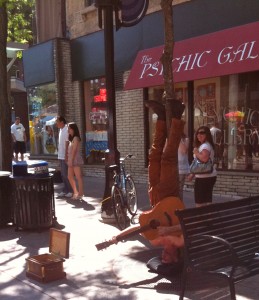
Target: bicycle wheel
[(131, 194), (119, 210)]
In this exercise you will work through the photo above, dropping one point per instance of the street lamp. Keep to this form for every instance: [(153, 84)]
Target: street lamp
[(127, 13)]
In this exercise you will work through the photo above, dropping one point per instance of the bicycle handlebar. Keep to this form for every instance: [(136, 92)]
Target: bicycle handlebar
[(123, 158), (127, 156)]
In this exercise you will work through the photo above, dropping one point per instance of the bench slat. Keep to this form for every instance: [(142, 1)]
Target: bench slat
[(237, 223)]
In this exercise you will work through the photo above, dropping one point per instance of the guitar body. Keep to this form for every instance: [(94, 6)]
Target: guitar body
[(161, 215), (164, 213)]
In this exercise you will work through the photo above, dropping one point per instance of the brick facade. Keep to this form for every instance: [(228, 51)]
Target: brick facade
[(129, 109), (69, 93), (130, 130), (83, 20)]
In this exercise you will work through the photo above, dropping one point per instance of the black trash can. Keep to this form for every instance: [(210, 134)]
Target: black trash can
[(6, 207), (34, 206)]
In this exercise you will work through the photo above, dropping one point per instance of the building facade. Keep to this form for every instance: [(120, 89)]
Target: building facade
[(216, 74)]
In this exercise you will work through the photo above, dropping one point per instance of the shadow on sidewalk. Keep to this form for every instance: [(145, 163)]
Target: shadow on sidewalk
[(80, 204)]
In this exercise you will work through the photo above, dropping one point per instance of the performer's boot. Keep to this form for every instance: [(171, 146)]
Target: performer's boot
[(177, 109), (157, 107)]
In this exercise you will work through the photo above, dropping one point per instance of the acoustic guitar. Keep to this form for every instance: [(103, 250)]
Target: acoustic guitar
[(163, 214)]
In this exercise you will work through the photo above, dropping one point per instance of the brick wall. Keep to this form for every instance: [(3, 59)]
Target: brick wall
[(69, 93), (237, 184), (233, 184), (83, 20), (130, 130)]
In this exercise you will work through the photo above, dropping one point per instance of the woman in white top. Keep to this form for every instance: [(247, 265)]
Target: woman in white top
[(203, 150)]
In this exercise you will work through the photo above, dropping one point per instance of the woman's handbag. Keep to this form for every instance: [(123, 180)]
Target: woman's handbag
[(199, 167)]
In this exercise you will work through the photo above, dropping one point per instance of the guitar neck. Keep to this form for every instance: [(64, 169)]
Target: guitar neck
[(127, 234), (131, 232)]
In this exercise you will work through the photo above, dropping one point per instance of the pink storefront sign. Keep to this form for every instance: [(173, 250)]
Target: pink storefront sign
[(230, 51)]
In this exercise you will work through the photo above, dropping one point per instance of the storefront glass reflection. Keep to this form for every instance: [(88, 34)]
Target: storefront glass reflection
[(96, 120), (42, 115), (229, 106)]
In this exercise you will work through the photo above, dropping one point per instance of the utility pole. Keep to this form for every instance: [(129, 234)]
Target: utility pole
[(129, 17), (112, 155)]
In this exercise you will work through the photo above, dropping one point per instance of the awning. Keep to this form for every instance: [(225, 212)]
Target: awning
[(230, 51)]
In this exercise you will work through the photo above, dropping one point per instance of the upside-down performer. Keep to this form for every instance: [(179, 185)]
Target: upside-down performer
[(160, 224), (164, 186)]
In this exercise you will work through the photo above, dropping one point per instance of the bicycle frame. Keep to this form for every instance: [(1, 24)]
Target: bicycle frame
[(123, 193), (120, 177)]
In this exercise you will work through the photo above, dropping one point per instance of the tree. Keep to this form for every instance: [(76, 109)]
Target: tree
[(5, 107), (21, 21), (166, 59), (16, 28)]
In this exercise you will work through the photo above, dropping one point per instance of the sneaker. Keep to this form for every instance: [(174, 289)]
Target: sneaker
[(107, 218), (68, 195), (62, 194)]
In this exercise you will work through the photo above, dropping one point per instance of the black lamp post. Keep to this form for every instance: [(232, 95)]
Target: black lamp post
[(106, 8), (112, 155)]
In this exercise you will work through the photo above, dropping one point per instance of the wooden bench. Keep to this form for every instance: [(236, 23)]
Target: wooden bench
[(222, 239)]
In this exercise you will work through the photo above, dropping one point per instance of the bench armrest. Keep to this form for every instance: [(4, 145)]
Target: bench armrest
[(231, 251), (223, 242)]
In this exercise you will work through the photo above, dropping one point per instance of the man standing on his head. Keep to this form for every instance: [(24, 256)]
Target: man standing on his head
[(19, 138), (62, 156)]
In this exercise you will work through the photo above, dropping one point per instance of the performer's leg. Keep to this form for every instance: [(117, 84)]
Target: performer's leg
[(169, 176), (156, 149), (155, 154)]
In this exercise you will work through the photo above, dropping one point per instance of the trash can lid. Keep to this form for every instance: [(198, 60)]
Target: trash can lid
[(36, 163), (20, 163)]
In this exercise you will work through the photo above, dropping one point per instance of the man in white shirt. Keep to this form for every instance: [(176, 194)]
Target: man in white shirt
[(62, 156), (19, 138), (216, 133)]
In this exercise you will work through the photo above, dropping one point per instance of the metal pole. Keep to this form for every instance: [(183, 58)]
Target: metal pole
[(112, 155)]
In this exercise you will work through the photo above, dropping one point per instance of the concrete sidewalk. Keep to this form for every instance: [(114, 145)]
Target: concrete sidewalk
[(119, 272)]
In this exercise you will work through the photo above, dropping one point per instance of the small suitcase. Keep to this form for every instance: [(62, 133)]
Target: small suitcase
[(49, 267)]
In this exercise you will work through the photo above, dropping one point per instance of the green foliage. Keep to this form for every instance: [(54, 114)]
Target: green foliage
[(20, 20), (2, 2)]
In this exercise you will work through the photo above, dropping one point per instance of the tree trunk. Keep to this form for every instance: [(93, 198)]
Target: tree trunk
[(166, 59), (6, 152)]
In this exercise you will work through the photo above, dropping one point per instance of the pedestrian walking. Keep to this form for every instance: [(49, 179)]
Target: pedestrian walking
[(19, 138), (62, 156)]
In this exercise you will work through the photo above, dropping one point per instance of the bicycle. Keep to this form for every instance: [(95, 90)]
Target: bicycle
[(123, 193)]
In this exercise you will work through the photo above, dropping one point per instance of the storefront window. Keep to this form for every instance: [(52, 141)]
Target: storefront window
[(42, 115), (229, 106), (96, 120)]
